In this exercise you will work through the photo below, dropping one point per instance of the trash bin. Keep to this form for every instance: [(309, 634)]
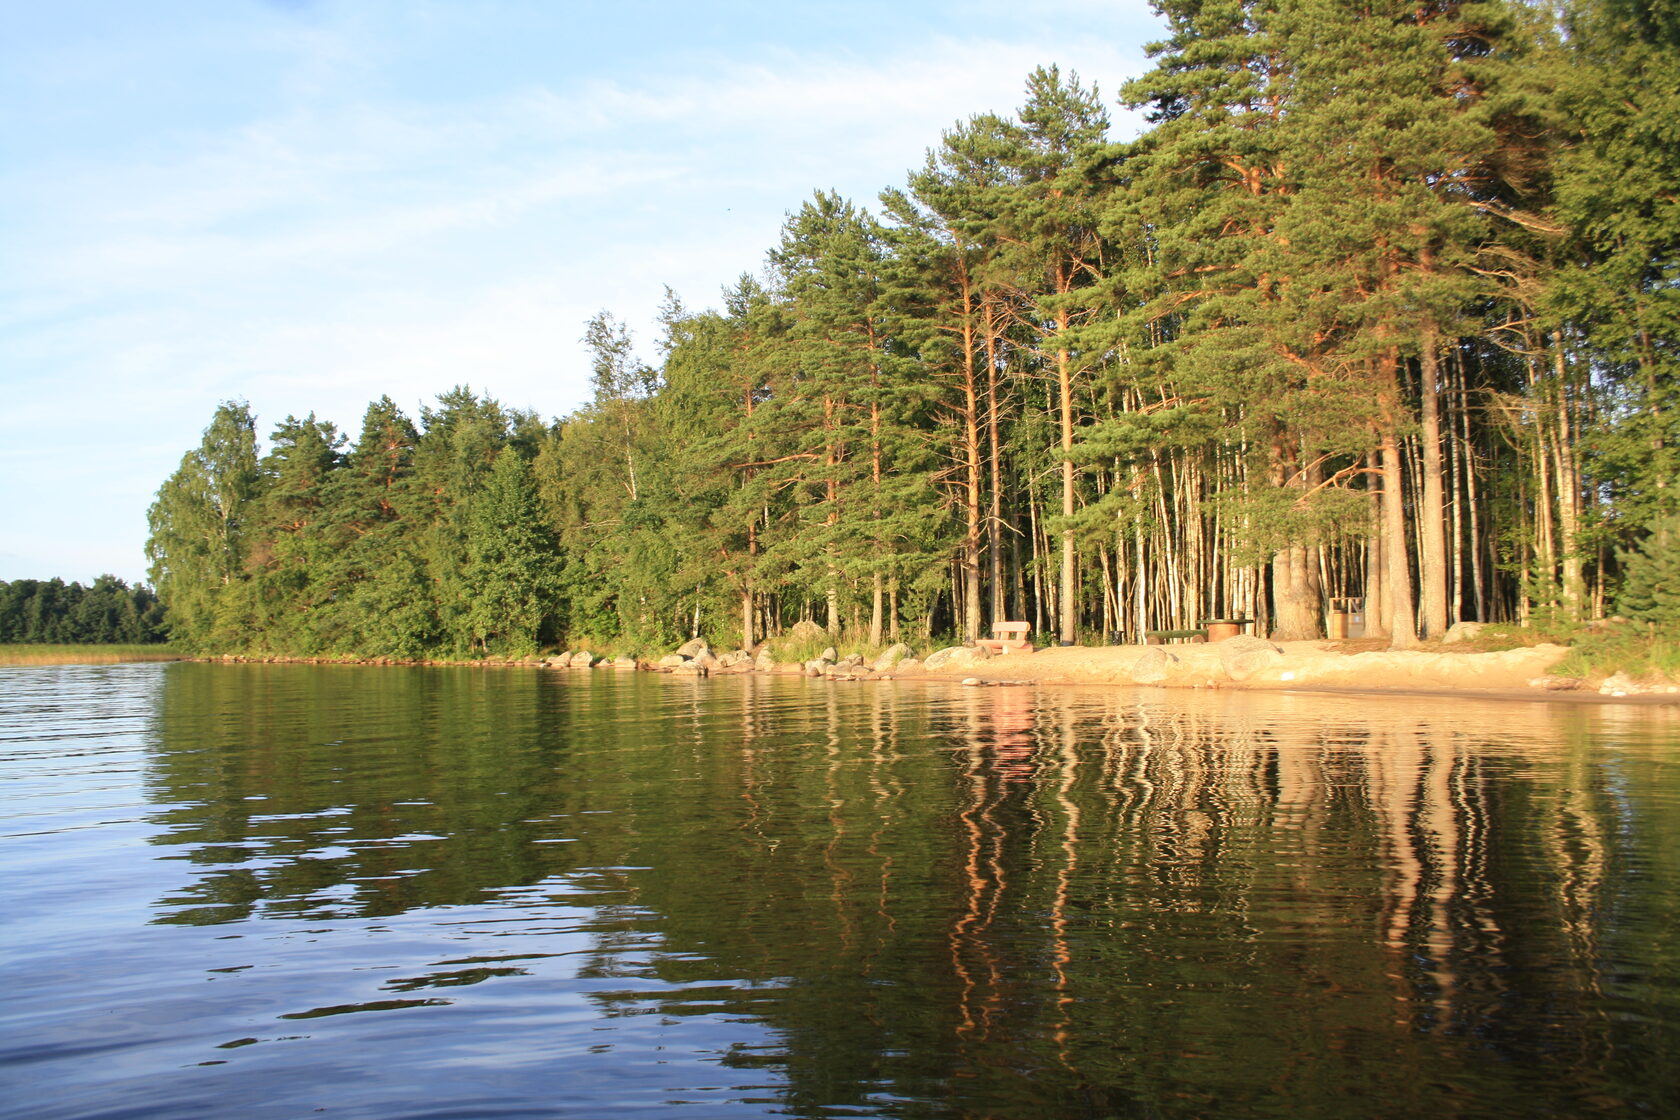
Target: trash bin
[(1338, 625)]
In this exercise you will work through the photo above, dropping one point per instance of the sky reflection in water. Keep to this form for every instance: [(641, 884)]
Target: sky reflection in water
[(429, 892)]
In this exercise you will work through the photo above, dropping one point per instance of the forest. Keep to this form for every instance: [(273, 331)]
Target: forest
[(1383, 304), (52, 611)]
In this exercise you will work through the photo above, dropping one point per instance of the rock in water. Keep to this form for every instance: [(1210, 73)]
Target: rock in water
[(694, 647)]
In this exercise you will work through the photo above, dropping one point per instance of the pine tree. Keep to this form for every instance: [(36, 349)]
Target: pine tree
[(511, 575), (1616, 193), (1651, 576), (294, 551), (1050, 226)]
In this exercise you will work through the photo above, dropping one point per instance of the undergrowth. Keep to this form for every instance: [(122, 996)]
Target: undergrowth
[(1640, 651)]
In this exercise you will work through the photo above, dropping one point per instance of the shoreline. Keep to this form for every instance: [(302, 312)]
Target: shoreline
[(90, 655), (1306, 667), (1245, 665)]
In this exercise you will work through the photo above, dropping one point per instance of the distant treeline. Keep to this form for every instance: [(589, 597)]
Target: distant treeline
[(109, 611), (1384, 304)]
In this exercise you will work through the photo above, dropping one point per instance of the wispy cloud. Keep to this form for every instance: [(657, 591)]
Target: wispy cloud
[(336, 237)]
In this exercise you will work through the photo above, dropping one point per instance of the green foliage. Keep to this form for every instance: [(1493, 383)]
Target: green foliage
[(1646, 653), (106, 612), (1158, 375), (512, 574), (197, 547), (1651, 581)]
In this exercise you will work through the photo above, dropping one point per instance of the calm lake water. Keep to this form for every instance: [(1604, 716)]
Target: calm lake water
[(280, 891)]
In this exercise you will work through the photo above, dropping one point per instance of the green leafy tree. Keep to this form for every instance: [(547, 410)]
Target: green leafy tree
[(197, 546)]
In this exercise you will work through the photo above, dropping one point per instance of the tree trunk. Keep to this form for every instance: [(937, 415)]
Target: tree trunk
[(1069, 628), (877, 609), (1568, 490), (1397, 577), (1376, 562), (1432, 558), (1295, 594)]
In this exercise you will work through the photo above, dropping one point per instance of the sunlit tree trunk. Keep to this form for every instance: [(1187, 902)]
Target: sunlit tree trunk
[(1432, 560)]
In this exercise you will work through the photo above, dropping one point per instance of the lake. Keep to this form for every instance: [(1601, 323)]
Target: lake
[(280, 891)]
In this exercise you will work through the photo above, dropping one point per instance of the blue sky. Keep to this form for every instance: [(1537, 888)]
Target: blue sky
[(308, 203)]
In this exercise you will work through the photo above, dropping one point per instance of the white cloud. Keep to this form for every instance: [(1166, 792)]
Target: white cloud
[(342, 245)]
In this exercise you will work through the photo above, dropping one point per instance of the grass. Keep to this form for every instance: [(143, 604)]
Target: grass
[(1639, 650), (1642, 652), (40, 653)]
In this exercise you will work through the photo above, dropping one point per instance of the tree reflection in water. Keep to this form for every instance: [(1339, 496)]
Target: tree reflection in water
[(1085, 901)]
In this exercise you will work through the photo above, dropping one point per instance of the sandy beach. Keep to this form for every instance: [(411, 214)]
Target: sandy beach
[(1303, 666)]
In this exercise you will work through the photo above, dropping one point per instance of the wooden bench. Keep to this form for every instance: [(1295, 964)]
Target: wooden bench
[(1011, 638), (1156, 637)]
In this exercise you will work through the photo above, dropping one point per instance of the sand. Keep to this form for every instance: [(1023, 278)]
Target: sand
[(1314, 666)]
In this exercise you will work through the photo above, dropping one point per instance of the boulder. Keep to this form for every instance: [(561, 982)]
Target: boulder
[(956, 657), (851, 660), (734, 658), (705, 660), (806, 631), (672, 661), (1154, 666), (690, 669), (829, 654), (1620, 684), (694, 647), (583, 659), (815, 666), (909, 667), (559, 661), (621, 663), (1244, 656), (1557, 684), (1462, 632), (765, 662), (890, 657)]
